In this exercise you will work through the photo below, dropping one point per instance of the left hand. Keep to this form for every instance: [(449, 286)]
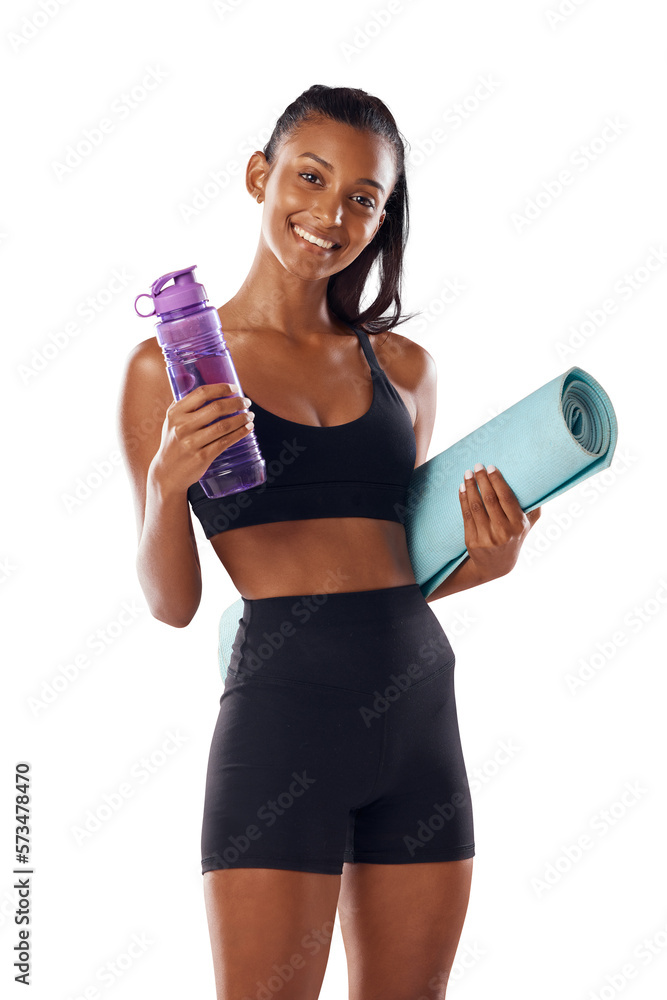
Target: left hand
[(495, 525)]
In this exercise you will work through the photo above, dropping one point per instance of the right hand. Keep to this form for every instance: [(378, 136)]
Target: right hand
[(188, 446)]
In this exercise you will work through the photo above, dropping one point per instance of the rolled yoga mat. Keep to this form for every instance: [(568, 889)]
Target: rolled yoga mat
[(543, 445)]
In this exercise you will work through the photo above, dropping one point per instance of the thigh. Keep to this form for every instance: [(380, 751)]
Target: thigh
[(269, 927), (401, 926)]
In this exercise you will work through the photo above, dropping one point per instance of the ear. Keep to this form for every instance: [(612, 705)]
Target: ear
[(256, 173)]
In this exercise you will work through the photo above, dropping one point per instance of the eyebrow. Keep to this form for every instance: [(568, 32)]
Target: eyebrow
[(359, 180)]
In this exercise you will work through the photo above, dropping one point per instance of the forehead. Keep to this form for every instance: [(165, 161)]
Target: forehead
[(349, 150)]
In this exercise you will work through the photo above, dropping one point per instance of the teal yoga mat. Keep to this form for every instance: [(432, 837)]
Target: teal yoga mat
[(545, 444)]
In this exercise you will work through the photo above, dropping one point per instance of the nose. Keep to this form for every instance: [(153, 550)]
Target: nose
[(328, 209)]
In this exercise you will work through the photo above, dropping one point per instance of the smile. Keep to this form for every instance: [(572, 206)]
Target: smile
[(305, 235)]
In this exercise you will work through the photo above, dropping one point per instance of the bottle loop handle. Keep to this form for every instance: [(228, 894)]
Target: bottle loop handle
[(144, 295), (186, 274)]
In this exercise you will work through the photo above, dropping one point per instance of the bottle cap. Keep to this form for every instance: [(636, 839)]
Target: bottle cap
[(184, 292)]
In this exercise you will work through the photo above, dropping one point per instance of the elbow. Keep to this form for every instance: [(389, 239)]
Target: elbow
[(171, 606), (169, 618), (178, 615)]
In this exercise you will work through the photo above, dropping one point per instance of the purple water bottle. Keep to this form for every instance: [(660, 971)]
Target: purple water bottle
[(193, 344)]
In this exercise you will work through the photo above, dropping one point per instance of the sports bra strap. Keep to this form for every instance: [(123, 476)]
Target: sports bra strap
[(367, 349)]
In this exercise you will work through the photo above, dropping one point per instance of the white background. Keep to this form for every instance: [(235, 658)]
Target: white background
[(220, 77)]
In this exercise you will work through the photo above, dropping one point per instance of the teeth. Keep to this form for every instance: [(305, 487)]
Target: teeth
[(312, 239)]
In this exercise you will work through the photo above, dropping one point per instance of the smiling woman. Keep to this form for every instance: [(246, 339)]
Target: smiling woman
[(368, 812)]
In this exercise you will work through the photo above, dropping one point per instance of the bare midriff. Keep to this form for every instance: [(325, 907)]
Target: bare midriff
[(315, 556)]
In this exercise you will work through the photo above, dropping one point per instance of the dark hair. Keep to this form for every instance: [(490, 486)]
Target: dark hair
[(345, 288)]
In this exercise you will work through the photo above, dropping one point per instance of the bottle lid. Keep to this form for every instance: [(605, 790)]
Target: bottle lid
[(184, 292)]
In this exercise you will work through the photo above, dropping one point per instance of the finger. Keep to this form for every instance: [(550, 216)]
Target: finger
[(468, 519), (506, 495), (533, 515), (206, 393), (487, 489), (478, 511)]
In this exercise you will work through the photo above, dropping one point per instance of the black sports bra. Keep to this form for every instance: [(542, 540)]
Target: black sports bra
[(358, 469)]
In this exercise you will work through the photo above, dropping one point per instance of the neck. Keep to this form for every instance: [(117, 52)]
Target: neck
[(272, 298)]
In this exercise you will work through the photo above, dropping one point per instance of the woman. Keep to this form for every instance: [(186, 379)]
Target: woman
[(335, 775)]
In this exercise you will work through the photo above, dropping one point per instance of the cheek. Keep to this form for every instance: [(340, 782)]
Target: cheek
[(359, 237), (361, 231), (292, 203), (292, 192)]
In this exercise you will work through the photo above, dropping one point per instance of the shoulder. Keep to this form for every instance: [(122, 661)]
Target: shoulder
[(405, 361), (145, 396), (144, 354), (145, 369)]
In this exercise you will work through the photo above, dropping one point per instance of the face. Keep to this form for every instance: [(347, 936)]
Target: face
[(329, 181)]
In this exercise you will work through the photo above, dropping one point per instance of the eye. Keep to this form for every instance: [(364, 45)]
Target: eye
[(307, 174), (369, 203)]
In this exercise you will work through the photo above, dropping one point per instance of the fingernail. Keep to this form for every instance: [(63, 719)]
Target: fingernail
[(462, 488), (479, 467), (490, 468), (467, 474)]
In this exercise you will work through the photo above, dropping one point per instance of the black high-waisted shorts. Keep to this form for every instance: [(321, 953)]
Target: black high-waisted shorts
[(337, 738)]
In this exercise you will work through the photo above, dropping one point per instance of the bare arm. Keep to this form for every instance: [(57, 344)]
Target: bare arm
[(463, 577), (167, 559)]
